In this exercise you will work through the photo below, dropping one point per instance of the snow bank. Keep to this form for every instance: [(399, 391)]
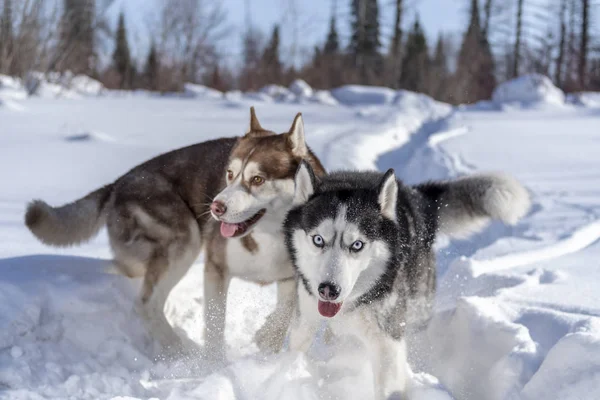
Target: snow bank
[(195, 91), (571, 369), (478, 353), (364, 95), (301, 89), (11, 91), (10, 83), (585, 99), (84, 85), (278, 93), (324, 97), (62, 85), (298, 92), (56, 313), (528, 90)]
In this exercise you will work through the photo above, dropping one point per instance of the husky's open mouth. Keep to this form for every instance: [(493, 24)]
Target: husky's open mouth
[(232, 230), (329, 309)]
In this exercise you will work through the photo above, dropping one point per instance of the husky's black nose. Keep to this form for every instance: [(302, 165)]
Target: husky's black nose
[(329, 291)]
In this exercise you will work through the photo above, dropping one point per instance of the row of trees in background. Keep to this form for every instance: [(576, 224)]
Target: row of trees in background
[(502, 40)]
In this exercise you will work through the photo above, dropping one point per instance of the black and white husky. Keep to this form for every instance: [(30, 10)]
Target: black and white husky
[(361, 243)]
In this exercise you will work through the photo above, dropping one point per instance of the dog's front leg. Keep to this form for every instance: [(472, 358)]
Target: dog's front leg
[(216, 283), (391, 372), (271, 335), (305, 322)]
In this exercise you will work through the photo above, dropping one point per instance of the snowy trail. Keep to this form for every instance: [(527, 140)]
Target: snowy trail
[(577, 241), (498, 290)]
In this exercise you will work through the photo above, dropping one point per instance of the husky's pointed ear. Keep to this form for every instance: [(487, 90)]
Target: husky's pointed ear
[(304, 183), (388, 195), (296, 137), (254, 124)]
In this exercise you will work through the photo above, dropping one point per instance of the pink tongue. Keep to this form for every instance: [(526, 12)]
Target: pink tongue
[(228, 230), (328, 309)]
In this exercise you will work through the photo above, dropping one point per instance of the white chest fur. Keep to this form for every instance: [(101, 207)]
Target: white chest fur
[(269, 262)]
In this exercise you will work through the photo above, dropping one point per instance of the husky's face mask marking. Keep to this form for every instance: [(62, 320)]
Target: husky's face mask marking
[(259, 178), (337, 241)]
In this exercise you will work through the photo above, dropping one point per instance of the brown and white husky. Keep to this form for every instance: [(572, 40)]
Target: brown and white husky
[(228, 196)]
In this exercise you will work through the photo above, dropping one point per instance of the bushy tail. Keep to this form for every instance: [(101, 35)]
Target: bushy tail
[(465, 205), (70, 224)]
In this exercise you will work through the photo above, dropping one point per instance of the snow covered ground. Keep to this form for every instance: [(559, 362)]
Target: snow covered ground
[(518, 310)]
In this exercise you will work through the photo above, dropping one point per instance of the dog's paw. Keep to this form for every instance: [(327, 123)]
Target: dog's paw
[(270, 337)]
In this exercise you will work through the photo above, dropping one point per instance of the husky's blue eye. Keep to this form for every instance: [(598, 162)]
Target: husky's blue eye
[(318, 241), (357, 246)]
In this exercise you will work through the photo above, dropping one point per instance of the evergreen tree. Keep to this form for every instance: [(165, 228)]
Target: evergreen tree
[(416, 60), (271, 63), (152, 69), (121, 55), (77, 36), (332, 44), (475, 79), (364, 41), (394, 61), (252, 43), (438, 71)]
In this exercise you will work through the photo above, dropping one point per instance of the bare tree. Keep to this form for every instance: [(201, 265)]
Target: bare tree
[(583, 43), (27, 36), (560, 60), (77, 34), (190, 32), (570, 82), (518, 38), (6, 37)]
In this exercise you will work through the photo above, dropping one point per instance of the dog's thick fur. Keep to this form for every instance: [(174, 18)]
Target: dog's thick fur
[(158, 218), (361, 243)]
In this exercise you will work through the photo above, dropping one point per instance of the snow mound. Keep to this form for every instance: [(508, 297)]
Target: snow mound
[(85, 85), (11, 89), (301, 89), (324, 97), (585, 99), (298, 92), (574, 359), (353, 95), (233, 95), (9, 82), (527, 90), (62, 85), (195, 91), (278, 93), (56, 312)]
